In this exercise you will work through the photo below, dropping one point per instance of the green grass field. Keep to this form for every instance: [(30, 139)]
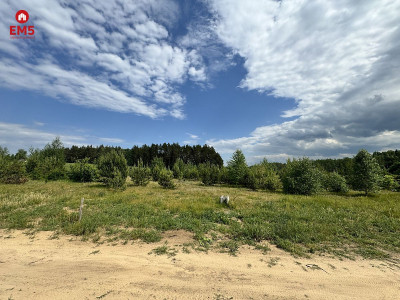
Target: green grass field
[(342, 225)]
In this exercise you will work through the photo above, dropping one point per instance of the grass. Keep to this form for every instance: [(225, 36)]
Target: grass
[(343, 225)]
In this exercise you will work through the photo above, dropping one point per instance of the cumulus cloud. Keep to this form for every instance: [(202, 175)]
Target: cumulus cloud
[(107, 54), (338, 59)]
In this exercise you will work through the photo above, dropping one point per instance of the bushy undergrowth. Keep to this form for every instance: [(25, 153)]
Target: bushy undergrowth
[(209, 174), (301, 177), (333, 182), (82, 171), (165, 179), (263, 176), (12, 171), (140, 174), (157, 165), (113, 169)]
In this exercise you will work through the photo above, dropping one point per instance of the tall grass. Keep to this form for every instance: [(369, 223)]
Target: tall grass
[(339, 224)]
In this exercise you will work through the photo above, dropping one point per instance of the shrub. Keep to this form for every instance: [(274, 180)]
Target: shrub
[(12, 172), (223, 175), (165, 179), (389, 183), (263, 176), (209, 173), (32, 164), (301, 177), (157, 165), (82, 171), (113, 169), (47, 164), (237, 168), (140, 174), (51, 168), (191, 172), (366, 172), (178, 168), (334, 182)]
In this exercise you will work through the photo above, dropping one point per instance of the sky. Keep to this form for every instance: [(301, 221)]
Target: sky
[(276, 79)]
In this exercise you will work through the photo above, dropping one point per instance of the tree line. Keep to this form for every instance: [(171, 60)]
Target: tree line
[(166, 163), (169, 153), (389, 162)]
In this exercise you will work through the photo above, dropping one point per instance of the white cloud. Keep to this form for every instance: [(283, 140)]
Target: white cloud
[(19, 136), (111, 55), (338, 59), (193, 139)]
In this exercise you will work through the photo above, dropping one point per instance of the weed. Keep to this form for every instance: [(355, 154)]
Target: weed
[(230, 247), (273, 262), (164, 250)]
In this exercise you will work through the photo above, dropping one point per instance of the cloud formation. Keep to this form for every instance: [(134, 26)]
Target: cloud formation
[(19, 136), (112, 55), (338, 59)]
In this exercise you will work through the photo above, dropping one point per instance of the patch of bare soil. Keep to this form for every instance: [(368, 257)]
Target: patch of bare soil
[(36, 267)]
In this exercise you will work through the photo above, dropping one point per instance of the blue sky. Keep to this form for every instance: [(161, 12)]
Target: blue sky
[(277, 79)]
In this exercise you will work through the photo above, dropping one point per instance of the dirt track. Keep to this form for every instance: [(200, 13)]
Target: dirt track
[(40, 268)]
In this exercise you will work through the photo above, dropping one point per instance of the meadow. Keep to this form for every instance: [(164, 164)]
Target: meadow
[(349, 225)]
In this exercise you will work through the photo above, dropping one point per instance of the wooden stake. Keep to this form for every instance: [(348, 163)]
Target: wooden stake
[(80, 209)]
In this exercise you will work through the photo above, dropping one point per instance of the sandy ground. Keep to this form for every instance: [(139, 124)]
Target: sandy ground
[(36, 267)]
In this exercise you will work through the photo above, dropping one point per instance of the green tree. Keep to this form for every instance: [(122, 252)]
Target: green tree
[(178, 168), (366, 172), (389, 183), (49, 163), (237, 168), (165, 179), (190, 172), (21, 154), (82, 171), (140, 174), (263, 176), (13, 172), (209, 173), (301, 177), (157, 165), (113, 169), (334, 182)]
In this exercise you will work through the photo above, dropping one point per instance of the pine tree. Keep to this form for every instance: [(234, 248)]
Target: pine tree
[(237, 168), (366, 172)]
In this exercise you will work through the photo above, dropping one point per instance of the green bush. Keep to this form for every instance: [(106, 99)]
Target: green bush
[(223, 175), (178, 168), (389, 183), (51, 168), (301, 177), (47, 164), (190, 172), (165, 179), (12, 171), (157, 165), (82, 171), (334, 182), (209, 173), (113, 169), (32, 164), (263, 176), (140, 174), (366, 173)]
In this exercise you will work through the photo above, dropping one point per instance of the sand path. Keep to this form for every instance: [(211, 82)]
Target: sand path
[(66, 268)]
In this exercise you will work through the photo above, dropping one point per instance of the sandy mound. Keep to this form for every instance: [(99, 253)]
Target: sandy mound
[(66, 268)]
